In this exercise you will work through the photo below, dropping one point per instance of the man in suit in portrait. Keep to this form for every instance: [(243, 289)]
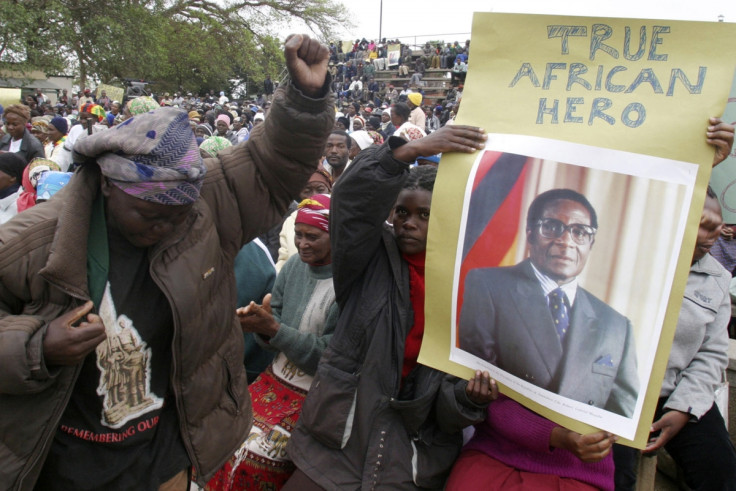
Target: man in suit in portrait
[(535, 322)]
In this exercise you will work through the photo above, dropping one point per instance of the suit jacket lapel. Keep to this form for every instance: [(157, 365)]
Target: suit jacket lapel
[(535, 317), (582, 340)]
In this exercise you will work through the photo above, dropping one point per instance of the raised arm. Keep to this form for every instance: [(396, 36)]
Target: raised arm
[(249, 186), (366, 192)]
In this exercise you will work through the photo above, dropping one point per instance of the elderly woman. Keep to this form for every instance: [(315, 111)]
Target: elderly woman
[(40, 129), (18, 139), (319, 183), (297, 322)]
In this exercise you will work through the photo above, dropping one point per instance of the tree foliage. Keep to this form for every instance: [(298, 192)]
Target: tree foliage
[(189, 44), (27, 37)]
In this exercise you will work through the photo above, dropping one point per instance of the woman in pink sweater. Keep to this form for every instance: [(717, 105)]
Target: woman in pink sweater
[(516, 448)]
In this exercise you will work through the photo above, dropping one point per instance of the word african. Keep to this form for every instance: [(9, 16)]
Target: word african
[(609, 78)]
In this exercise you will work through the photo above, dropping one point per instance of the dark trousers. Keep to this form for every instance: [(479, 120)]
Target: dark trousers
[(703, 451)]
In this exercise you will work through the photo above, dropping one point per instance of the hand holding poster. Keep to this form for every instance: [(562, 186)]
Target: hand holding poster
[(723, 180), (596, 138)]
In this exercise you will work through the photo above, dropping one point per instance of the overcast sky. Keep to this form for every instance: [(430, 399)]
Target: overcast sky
[(451, 19)]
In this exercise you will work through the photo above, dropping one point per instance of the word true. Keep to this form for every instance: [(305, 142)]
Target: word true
[(613, 78)]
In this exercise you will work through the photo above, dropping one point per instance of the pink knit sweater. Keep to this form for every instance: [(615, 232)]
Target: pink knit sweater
[(519, 438)]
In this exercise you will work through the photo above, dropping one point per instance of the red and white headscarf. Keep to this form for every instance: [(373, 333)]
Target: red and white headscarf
[(315, 211)]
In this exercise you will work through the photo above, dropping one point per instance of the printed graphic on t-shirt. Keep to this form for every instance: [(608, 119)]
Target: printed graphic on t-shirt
[(124, 361)]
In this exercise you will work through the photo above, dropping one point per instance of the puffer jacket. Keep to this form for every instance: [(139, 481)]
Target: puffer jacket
[(360, 427), (43, 274)]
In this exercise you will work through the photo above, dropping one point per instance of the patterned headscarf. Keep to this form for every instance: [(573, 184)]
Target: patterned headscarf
[(315, 211), (142, 105), (38, 166), (377, 138), (152, 156), (27, 196), (410, 132), (40, 124), (321, 175), (214, 144)]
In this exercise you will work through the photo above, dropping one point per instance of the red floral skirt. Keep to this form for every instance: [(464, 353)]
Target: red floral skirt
[(262, 463)]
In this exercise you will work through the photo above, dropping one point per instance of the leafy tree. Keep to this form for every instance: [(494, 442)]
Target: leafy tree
[(178, 43), (27, 37)]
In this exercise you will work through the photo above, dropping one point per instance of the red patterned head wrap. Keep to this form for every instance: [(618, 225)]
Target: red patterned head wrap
[(315, 211)]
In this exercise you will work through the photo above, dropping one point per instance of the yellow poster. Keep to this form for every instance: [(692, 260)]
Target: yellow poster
[(9, 96), (608, 116), (114, 93), (394, 54)]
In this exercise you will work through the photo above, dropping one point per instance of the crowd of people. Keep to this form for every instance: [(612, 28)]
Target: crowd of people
[(232, 293)]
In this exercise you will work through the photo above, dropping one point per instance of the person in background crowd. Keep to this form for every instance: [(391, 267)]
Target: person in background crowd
[(416, 116), (12, 166), (202, 131), (724, 251), (319, 183), (268, 87), (18, 139), (358, 123), (31, 174), (387, 127), (40, 97), (40, 129), (141, 105), (337, 153), (222, 126), (404, 128), (240, 132), (434, 123), (103, 100), (213, 145), (459, 70), (433, 160), (342, 124), (392, 94), (58, 129), (114, 111)]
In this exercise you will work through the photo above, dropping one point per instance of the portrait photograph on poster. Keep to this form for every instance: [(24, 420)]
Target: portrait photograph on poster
[(557, 290)]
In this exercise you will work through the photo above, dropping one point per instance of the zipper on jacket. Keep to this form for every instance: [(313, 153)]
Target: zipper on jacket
[(175, 379)]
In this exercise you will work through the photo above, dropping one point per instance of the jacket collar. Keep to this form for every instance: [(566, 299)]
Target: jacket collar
[(707, 265), (67, 263)]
